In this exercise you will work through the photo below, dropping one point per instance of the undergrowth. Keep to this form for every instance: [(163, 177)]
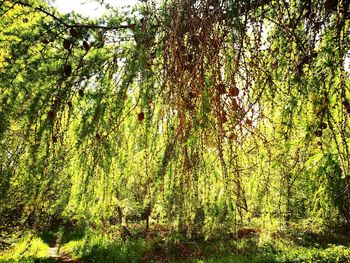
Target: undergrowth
[(27, 250), (291, 245)]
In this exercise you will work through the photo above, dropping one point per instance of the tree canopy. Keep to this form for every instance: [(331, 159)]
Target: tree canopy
[(201, 114)]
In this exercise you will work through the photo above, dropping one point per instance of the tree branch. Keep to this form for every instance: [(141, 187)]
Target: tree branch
[(56, 18)]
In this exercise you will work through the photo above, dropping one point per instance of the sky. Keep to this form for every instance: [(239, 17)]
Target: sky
[(87, 7)]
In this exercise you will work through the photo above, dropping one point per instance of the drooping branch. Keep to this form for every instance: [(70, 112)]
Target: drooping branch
[(74, 25)]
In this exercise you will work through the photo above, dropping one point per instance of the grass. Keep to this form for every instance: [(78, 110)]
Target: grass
[(291, 245), (284, 248), (27, 250), (96, 248), (288, 255)]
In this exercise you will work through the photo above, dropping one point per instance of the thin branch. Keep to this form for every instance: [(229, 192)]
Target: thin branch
[(56, 18)]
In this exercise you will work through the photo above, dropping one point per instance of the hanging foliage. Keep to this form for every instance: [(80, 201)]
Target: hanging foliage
[(195, 113)]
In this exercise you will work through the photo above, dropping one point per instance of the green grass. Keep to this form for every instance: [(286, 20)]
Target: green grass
[(89, 246), (96, 248), (27, 250), (289, 255)]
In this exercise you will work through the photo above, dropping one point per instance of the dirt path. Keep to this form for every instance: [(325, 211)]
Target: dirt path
[(53, 253)]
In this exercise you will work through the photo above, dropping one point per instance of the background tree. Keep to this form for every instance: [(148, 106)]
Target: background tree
[(198, 114)]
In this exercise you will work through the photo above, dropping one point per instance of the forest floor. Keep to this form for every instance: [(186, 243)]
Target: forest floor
[(56, 256), (288, 245)]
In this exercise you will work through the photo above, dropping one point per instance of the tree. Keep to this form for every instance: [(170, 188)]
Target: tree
[(204, 111)]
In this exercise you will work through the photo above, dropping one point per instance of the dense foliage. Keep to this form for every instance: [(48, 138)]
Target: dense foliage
[(201, 116)]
